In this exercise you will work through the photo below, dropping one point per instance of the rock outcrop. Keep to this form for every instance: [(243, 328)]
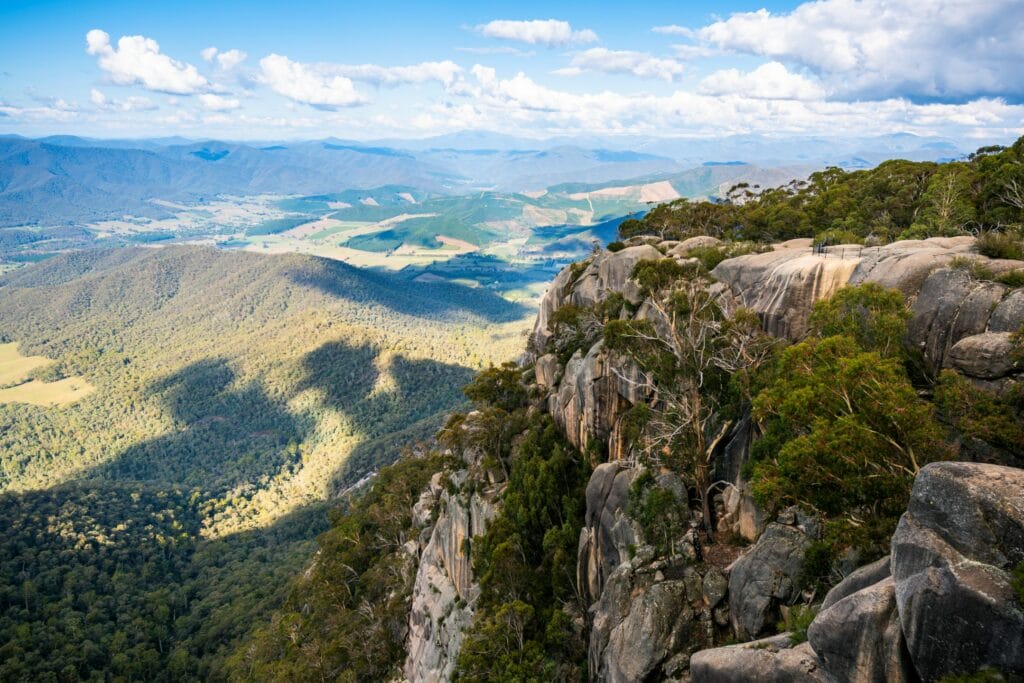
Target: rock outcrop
[(948, 305), (767, 576), (952, 554), (944, 603), (770, 660), (444, 591)]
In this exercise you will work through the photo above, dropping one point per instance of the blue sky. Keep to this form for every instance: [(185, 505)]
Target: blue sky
[(274, 70)]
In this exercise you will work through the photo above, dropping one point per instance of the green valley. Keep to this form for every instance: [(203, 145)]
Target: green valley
[(234, 395)]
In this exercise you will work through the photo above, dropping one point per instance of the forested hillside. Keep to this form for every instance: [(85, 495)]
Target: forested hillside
[(896, 200), (153, 522), (708, 437)]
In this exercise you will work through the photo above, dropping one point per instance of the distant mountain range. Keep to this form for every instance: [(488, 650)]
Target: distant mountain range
[(66, 180)]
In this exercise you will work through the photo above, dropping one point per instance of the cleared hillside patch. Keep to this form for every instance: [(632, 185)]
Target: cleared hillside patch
[(61, 392), (16, 368)]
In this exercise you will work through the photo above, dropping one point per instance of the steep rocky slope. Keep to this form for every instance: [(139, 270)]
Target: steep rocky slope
[(655, 599)]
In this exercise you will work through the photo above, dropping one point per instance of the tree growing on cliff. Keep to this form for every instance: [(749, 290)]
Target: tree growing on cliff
[(698, 356), (843, 430)]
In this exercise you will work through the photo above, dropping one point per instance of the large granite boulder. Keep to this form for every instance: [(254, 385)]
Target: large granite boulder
[(951, 559), (950, 306), (861, 578), (1008, 315), (642, 623), (682, 249), (588, 403), (771, 660), (858, 638), (766, 576), (985, 356), (610, 273), (552, 300), (782, 286), (608, 533)]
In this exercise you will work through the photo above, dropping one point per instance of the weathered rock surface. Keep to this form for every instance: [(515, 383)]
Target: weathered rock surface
[(610, 272), (683, 248), (771, 660), (951, 555), (637, 624), (1008, 315), (766, 575), (858, 638), (948, 304), (985, 356), (863, 577), (607, 534), (444, 590)]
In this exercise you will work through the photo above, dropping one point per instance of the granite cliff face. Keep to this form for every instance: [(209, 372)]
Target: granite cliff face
[(657, 607), (444, 591)]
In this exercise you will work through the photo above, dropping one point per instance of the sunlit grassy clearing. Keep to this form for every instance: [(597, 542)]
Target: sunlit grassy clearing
[(39, 393), (15, 367)]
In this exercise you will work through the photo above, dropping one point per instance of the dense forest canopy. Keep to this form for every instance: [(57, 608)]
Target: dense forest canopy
[(896, 200), (154, 522)]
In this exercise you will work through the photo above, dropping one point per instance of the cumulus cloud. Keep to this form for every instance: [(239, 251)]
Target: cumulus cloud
[(230, 59), (208, 53), (445, 72), (133, 103), (947, 50), (137, 60), (546, 32), (674, 30), (46, 113), (212, 102), (521, 103), (306, 84), (638, 64), (771, 81)]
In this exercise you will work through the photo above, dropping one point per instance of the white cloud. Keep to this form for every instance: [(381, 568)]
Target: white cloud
[(133, 103), (31, 114), (307, 84), (445, 72), (212, 102), (547, 32), (230, 59), (925, 50), (496, 50), (208, 53), (674, 30), (522, 105), (638, 64), (771, 81), (138, 60)]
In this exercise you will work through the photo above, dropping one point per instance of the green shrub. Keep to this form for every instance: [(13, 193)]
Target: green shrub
[(1017, 581), (797, 620), (661, 516), (1003, 245), (973, 267), (838, 236), (616, 246), (875, 317), (498, 386), (979, 414), (654, 275), (844, 433), (1012, 278)]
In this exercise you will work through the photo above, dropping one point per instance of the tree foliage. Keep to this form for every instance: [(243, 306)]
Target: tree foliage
[(897, 199), (844, 431)]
